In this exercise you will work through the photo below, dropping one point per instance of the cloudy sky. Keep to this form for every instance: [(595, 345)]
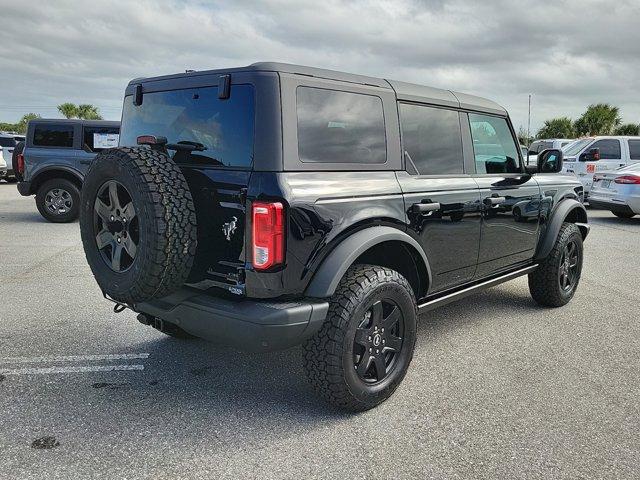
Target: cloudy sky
[(567, 54)]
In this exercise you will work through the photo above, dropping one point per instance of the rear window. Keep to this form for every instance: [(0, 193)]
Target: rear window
[(96, 139), (53, 136), (340, 127), (7, 142), (222, 129), (634, 149)]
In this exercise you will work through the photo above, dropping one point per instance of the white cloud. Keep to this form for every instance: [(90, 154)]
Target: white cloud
[(567, 54)]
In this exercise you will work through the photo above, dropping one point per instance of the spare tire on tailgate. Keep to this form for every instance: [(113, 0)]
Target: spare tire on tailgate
[(138, 224)]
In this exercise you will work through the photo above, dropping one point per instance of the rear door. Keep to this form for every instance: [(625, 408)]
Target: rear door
[(442, 200), (510, 198), (189, 111)]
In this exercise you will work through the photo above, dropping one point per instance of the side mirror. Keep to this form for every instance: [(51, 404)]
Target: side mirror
[(550, 161), (593, 155)]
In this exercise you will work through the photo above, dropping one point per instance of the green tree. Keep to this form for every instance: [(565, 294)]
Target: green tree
[(68, 110), (21, 126), (599, 119), (561, 127), (89, 112), (627, 129)]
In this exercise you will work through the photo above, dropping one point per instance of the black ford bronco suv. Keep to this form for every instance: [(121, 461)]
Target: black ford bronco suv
[(276, 205)]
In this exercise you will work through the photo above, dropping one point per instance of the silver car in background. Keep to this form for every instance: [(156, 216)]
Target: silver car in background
[(617, 191)]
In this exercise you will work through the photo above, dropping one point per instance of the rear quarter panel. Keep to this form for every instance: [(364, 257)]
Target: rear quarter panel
[(322, 209)]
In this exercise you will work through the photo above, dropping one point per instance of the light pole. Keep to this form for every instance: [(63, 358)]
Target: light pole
[(529, 123)]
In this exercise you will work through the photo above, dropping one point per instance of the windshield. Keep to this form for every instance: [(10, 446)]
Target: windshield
[(222, 129), (575, 147)]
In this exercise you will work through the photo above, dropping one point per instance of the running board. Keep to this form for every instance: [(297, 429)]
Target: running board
[(465, 292)]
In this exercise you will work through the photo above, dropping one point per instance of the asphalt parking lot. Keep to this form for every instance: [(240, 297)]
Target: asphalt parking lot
[(498, 388)]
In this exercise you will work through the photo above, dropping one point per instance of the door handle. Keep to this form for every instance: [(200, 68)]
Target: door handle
[(491, 201), (425, 207)]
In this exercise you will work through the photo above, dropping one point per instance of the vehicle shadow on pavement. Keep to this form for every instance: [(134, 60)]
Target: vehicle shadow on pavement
[(218, 381), (34, 217)]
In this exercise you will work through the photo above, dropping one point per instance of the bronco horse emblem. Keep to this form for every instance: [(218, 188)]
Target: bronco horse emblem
[(229, 228)]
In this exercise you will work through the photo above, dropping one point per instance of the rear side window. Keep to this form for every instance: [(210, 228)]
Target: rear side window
[(222, 130), (634, 149), (340, 127), (96, 139), (53, 136), (432, 139), (609, 149), (493, 145)]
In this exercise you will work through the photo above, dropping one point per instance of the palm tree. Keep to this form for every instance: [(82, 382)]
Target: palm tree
[(561, 127), (599, 119), (69, 110), (89, 112), (627, 129)]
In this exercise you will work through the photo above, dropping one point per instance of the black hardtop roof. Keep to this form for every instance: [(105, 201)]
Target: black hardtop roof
[(96, 123), (404, 91)]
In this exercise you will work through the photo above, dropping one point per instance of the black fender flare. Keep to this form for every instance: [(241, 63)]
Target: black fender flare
[(326, 279), (35, 178), (558, 217)]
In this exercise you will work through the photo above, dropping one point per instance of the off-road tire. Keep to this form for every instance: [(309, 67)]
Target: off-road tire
[(620, 214), (328, 354), (544, 284), (64, 184), (166, 223)]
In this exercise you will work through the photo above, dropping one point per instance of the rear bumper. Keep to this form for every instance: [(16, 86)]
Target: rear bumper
[(245, 324), (608, 204), (24, 188)]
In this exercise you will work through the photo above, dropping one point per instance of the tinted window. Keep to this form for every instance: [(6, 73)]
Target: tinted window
[(634, 149), (221, 129), (432, 139), (53, 136), (609, 149), (96, 139), (340, 127), (7, 142), (494, 148)]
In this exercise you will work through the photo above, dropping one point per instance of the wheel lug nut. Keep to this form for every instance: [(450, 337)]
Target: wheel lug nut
[(377, 351), (370, 350), (369, 338), (111, 218), (119, 240), (383, 330)]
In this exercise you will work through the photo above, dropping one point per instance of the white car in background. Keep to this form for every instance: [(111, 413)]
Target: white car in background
[(8, 141), (539, 145), (594, 155), (618, 191)]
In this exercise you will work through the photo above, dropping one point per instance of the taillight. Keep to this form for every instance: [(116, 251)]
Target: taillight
[(268, 234), (20, 163), (628, 179)]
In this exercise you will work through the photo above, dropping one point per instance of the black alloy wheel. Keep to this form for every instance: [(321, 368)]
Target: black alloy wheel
[(568, 271), (378, 341), (116, 226)]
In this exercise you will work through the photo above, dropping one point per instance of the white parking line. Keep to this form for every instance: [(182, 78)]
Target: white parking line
[(73, 358), (79, 369)]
